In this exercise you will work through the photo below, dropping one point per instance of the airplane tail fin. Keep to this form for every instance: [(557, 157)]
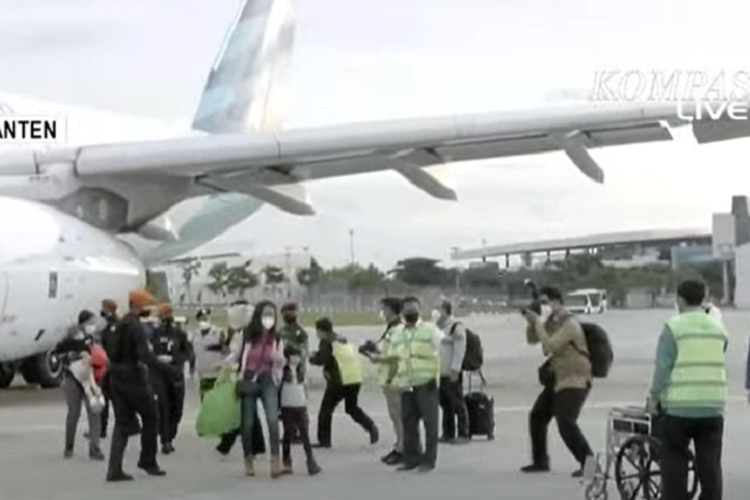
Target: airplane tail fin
[(247, 85), (246, 92)]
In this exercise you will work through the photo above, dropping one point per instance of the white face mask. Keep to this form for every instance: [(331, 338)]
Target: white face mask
[(546, 312), (382, 315), (268, 322), (435, 315), (89, 329), (204, 325)]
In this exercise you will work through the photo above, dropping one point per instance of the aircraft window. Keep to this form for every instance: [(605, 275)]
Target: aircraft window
[(53, 285)]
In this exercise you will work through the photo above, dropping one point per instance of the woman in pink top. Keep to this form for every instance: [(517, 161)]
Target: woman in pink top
[(261, 367)]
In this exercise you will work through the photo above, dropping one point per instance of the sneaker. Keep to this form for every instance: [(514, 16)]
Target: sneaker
[(425, 468), (407, 467), (118, 477), (395, 458), (388, 456), (461, 440), (96, 455), (249, 466), (535, 468), (152, 470), (68, 453), (321, 445), (313, 468), (445, 440), (577, 473)]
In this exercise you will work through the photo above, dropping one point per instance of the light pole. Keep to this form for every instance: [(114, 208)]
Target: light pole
[(288, 265), (351, 246), (454, 250)]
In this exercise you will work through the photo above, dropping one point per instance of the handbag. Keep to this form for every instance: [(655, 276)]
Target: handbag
[(546, 375), (248, 386)]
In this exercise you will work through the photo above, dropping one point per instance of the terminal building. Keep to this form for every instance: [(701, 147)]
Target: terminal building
[(728, 241)]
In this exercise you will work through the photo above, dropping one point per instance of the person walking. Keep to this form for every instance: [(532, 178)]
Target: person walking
[(130, 390), (75, 348), (417, 345), (343, 373), (567, 383), (689, 394), (452, 351), (294, 412), (261, 365)]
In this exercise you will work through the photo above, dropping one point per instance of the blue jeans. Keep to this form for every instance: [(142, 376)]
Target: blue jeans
[(269, 396)]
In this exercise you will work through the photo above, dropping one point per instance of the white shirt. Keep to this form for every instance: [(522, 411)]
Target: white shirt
[(293, 394)]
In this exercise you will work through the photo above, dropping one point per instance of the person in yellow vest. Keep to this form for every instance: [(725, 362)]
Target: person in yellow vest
[(417, 345), (343, 373), (689, 394), (378, 353)]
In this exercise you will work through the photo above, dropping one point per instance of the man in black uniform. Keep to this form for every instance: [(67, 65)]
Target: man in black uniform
[(130, 391), (173, 348)]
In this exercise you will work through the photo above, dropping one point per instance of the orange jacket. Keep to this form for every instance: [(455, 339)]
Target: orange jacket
[(98, 361)]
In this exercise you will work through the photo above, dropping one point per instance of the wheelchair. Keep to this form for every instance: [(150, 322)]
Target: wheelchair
[(631, 458)]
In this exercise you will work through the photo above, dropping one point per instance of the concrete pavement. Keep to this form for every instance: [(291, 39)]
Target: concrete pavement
[(31, 437)]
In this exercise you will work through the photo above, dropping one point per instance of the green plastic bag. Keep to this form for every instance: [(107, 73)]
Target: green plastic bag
[(220, 411)]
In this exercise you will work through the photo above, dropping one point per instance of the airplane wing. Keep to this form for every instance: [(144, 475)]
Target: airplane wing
[(268, 165)]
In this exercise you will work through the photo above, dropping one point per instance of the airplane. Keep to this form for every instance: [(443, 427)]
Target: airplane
[(68, 208)]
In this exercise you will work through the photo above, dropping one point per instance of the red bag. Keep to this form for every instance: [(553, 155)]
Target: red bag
[(98, 361)]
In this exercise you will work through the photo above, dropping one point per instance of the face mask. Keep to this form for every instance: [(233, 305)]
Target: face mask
[(294, 360), (411, 317), (381, 315), (546, 311), (435, 315), (89, 329), (204, 325), (268, 322)]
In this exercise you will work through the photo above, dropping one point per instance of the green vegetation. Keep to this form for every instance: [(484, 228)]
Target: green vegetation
[(363, 318)]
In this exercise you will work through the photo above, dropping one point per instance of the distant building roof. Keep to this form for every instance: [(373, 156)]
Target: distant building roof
[(596, 240)]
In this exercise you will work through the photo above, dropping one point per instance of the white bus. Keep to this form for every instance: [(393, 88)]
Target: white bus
[(587, 301)]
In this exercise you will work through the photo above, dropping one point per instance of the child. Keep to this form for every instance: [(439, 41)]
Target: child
[(83, 370), (294, 412)]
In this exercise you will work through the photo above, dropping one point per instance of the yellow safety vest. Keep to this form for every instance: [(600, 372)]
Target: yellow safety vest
[(408, 342), (699, 376), (347, 359), (384, 369)]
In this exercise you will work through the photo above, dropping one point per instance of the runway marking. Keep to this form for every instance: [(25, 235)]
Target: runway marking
[(601, 405)]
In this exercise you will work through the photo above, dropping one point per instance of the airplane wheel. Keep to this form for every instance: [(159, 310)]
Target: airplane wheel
[(7, 374), (44, 369)]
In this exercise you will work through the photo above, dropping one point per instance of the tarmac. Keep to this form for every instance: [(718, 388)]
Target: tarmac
[(31, 435)]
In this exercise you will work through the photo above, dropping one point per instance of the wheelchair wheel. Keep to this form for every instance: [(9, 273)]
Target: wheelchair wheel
[(638, 470)]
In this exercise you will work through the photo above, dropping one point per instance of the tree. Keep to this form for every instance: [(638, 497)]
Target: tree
[(310, 276), (219, 273), (240, 279), (421, 271), (190, 269), (274, 276)]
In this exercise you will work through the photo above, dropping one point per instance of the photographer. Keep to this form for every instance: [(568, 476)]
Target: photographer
[(566, 377)]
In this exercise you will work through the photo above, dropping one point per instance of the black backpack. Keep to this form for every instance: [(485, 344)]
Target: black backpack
[(474, 357), (600, 349)]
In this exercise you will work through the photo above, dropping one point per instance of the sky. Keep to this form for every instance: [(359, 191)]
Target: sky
[(358, 60)]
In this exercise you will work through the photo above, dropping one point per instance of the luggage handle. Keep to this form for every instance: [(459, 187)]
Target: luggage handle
[(483, 385)]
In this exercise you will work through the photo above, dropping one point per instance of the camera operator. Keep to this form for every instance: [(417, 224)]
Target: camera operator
[(566, 376)]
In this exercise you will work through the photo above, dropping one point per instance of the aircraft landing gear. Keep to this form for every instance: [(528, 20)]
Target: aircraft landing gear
[(44, 369), (7, 374)]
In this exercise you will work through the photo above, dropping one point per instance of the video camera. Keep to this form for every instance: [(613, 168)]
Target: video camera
[(535, 304)]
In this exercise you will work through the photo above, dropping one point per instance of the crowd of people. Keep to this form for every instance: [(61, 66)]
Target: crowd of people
[(134, 365), (137, 365)]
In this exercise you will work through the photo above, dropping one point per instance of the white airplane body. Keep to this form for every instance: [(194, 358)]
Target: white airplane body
[(118, 175)]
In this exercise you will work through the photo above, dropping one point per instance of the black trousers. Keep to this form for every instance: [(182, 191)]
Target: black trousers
[(454, 408), (675, 434), (565, 407), (420, 403), (228, 440), (128, 400), (296, 423), (332, 396)]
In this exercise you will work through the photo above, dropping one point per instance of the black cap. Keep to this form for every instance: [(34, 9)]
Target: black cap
[(85, 316), (324, 324)]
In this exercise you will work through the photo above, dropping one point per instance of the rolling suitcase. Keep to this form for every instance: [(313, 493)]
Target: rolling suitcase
[(481, 408)]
